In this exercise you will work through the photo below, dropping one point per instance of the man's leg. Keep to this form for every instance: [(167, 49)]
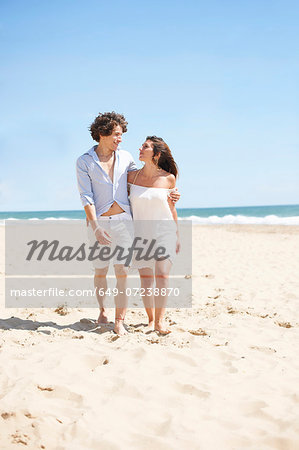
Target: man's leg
[(100, 283), (121, 300)]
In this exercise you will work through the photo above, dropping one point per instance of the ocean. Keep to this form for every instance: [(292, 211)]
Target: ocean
[(268, 215)]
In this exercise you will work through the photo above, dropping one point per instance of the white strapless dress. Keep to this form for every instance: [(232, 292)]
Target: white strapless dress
[(153, 220)]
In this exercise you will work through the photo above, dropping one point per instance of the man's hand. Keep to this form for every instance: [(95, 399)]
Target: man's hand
[(175, 196), (102, 236)]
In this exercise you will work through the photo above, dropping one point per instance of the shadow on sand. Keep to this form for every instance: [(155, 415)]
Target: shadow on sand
[(85, 324), (89, 325)]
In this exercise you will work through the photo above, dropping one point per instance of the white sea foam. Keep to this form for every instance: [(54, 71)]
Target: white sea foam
[(211, 220), (50, 218), (2, 221), (58, 218), (37, 218), (243, 220)]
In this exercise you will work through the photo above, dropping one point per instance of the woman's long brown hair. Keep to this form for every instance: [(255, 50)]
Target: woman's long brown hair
[(165, 161)]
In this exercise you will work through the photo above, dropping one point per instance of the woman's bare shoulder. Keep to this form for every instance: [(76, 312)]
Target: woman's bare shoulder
[(168, 179), (171, 180)]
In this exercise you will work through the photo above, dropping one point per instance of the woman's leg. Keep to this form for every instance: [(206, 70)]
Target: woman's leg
[(162, 283), (147, 283)]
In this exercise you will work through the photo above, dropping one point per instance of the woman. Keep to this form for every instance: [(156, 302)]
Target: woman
[(149, 196)]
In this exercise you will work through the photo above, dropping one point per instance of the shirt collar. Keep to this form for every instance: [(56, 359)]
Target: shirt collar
[(92, 152)]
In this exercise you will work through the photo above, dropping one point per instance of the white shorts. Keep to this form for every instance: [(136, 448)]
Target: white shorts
[(121, 232), (163, 233)]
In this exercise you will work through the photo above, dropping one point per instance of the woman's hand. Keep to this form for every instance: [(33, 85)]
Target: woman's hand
[(178, 246)]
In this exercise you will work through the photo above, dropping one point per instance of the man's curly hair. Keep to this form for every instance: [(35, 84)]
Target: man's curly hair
[(105, 123)]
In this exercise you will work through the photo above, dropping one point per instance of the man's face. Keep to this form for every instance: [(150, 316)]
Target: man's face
[(115, 138)]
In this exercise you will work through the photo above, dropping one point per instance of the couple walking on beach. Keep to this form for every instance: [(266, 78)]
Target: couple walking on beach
[(106, 175)]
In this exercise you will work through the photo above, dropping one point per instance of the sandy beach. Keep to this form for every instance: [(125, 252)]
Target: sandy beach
[(225, 378)]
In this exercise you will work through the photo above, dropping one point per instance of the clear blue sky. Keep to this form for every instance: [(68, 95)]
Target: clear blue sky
[(218, 80)]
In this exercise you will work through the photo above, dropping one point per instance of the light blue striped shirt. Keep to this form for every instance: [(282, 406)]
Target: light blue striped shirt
[(95, 185)]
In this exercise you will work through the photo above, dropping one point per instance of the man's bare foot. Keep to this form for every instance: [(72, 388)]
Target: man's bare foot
[(119, 328), (160, 328), (150, 327), (102, 318)]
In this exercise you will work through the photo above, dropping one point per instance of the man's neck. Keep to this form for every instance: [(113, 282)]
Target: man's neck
[(102, 150)]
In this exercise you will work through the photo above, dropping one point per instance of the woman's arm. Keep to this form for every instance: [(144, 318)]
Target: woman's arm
[(171, 185), (173, 210)]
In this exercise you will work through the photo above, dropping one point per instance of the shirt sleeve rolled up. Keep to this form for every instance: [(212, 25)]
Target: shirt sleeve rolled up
[(84, 183)]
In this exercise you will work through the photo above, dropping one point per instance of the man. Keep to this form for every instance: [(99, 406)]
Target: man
[(102, 182)]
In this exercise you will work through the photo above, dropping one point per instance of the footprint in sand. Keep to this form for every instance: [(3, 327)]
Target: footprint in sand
[(162, 428), (192, 390), (182, 358), (63, 394), (253, 407), (94, 361), (231, 368), (199, 332), (139, 353)]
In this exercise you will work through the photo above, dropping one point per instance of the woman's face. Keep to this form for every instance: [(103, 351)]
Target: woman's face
[(146, 152)]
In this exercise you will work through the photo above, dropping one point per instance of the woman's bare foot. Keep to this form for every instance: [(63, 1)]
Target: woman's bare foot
[(160, 328), (102, 318), (119, 328)]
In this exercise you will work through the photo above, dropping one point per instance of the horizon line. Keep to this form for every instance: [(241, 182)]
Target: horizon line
[(198, 207)]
